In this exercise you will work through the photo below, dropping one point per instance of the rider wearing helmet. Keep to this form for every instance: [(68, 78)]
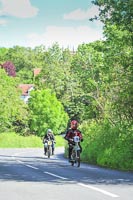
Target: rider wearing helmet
[(49, 136), (71, 132)]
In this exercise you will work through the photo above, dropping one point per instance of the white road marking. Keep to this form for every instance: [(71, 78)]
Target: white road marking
[(99, 190), (27, 165), (55, 175), (31, 166), (20, 161)]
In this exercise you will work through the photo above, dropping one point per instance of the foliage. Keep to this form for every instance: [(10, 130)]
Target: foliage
[(108, 146), (119, 58), (12, 109), (118, 21), (25, 77), (46, 112), (116, 12), (9, 68), (87, 66), (3, 53), (59, 141)]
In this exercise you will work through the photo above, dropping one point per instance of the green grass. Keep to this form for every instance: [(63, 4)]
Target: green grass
[(13, 140)]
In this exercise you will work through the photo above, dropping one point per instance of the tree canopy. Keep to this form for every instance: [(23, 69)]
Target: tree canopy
[(46, 112)]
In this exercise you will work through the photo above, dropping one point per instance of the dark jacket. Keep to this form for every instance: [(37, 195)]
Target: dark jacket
[(49, 136), (72, 132)]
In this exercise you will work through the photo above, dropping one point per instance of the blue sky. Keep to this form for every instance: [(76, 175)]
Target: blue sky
[(32, 23)]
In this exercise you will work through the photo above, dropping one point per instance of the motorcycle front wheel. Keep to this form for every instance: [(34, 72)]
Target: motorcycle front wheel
[(49, 151), (78, 159)]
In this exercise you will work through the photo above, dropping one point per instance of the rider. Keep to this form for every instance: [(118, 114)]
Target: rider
[(49, 136), (71, 132)]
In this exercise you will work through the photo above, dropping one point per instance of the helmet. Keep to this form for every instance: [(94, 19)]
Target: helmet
[(74, 124), (49, 131)]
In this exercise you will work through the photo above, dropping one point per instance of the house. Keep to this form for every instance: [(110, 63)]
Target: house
[(36, 71), (26, 88)]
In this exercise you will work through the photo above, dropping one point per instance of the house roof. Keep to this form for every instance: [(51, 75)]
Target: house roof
[(36, 71), (25, 88)]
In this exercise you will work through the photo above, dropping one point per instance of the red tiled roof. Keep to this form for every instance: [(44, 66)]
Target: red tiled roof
[(25, 88), (36, 71)]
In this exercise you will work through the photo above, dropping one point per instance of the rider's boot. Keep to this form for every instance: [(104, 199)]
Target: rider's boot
[(52, 151), (45, 151)]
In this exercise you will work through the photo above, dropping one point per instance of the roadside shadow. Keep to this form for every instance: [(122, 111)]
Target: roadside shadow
[(33, 169)]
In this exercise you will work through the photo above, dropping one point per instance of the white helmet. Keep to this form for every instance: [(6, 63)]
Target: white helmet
[(49, 131)]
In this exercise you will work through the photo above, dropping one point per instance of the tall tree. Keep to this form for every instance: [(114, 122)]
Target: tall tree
[(118, 30)]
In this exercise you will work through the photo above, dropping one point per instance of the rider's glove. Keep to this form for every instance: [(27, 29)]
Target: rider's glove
[(70, 139)]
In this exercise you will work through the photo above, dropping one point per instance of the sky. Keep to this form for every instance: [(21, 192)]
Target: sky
[(32, 23)]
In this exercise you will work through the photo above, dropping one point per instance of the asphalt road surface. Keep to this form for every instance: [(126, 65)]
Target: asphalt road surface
[(26, 174)]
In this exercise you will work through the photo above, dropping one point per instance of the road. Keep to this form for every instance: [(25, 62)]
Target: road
[(25, 174)]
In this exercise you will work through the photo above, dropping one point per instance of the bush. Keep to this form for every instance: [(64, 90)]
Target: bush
[(108, 145)]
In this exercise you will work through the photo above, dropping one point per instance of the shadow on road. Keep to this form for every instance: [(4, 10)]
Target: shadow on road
[(25, 168)]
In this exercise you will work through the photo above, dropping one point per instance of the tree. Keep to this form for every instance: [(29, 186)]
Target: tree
[(56, 74), (9, 68), (118, 12), (46, 112), (13, 112), (3, 53), (117, 17)]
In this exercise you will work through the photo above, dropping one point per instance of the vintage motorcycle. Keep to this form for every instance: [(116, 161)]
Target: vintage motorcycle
[(75, 156), (48, 146)]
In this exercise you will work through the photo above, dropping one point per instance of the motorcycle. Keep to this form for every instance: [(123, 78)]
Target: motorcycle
[(75, 155), (48, 146)]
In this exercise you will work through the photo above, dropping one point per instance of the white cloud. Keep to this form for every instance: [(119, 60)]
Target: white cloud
[(65, 36), (18, 8), (82, 14), (3, 22)]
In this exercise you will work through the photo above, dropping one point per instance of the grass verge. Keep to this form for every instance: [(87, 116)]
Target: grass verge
[(13, 140)]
